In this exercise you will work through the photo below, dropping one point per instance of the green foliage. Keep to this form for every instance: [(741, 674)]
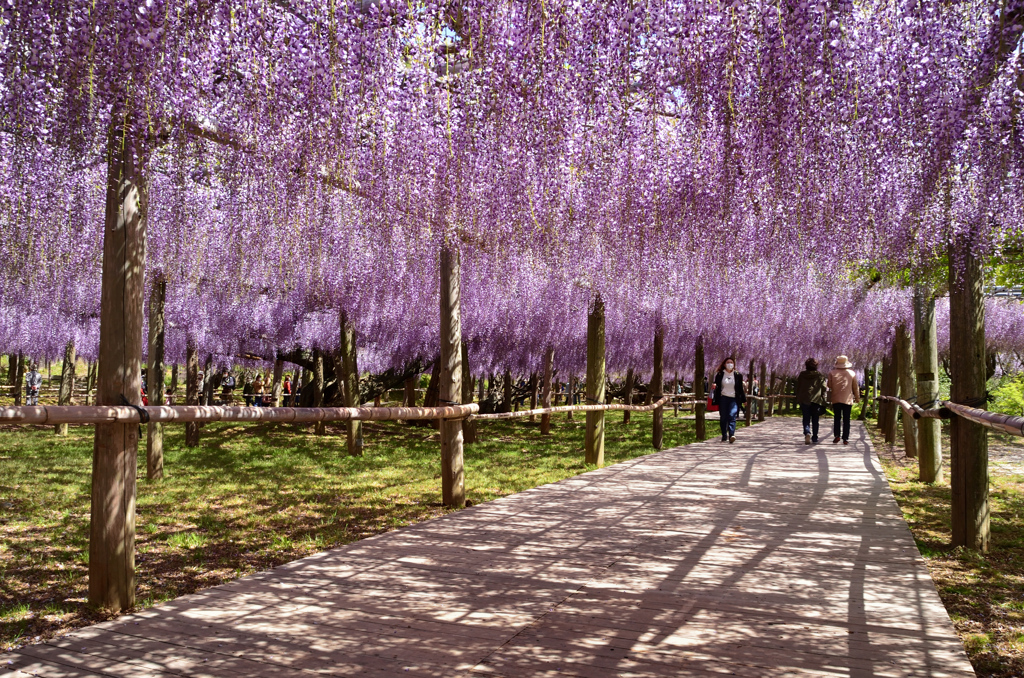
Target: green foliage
[(1008, 395)]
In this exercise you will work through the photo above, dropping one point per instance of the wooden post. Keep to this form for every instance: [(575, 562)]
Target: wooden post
[(155, 379), (468, 427), (968, 440), (207, 384), (116, 446), (549, 368), (191, 389), (594, 448), (174, 383), (627, 399), (534, 386), (929, 431), (350, 385), (657, 386), (698, 390), (675, 392), (762, 377), (19, 379), (275, 391), (67, 382), (771, 394), (453, 487), (320, 427), (750, 403), (908, 390), (887, 414), (506, 406), (570, 389)]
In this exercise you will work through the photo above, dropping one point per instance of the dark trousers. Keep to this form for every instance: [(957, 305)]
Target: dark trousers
[(727, 409), (810, 413), (842, 416)]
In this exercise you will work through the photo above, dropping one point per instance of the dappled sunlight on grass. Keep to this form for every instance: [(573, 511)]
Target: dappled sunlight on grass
[(250, 497)]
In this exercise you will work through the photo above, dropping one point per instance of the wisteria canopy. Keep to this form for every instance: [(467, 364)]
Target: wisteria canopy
[(761, 174)]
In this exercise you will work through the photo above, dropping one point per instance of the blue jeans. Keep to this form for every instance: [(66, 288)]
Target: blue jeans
[(727, 409), (810, 413)]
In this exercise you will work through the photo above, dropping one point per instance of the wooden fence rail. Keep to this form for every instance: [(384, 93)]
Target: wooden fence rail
[(575, 408), (996, 421), (129, 415)]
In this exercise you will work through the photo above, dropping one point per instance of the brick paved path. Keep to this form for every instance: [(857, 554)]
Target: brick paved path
[(762, 558)]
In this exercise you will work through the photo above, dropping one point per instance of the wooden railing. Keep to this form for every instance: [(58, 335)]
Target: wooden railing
[(614, 407), (1005, 423)]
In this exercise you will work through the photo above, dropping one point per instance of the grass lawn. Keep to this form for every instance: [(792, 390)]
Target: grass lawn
[(984, 594), (251, 497)]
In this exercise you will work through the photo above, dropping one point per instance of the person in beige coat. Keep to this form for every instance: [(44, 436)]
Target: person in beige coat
[(844, 391)]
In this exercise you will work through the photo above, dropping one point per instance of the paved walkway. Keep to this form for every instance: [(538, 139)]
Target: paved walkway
[(762, 558)]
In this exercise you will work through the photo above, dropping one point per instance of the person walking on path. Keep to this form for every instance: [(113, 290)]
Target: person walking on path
[(33, 382), (729, 397), (843, 393), (810, 395)]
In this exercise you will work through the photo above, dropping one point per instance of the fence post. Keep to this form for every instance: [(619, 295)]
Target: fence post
[(549, 367), (155, 380), (698, 388), (929, 431), (350, 385), (905, 370), (67, 382)]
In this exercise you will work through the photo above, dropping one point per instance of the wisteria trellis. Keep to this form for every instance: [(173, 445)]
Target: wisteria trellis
[(730, 167)]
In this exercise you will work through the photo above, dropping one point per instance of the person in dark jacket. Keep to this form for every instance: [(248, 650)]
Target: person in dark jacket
[(810, 395), (729, 396)]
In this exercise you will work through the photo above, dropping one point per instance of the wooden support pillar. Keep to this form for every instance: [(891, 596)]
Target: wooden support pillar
[(762, 391), (534, 386), (320, 427), (627, 398), (771, 394), (453, 488), (191, 389), (67, 382), (116, 446), (908, 389), (570, 389), (888, 410), (594, 449), (275, 391), (657, 387), (750, 403), (174, 383), (350, 385), (929, 431), (675, 392), (549, 368), (155, 379), (208, 380), (468, 427), (698, 390), (19, 379), (967, 371)]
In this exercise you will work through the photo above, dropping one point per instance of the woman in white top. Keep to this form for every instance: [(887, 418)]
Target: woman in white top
[(729, 396)]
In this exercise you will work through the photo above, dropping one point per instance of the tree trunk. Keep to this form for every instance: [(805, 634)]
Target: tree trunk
[(771, 394), (468, 427), (549, 368), (208, 380), (570, 388), (675, 392), (320, 427), (275, 391), (116, 446), (174, 383), (155, 379), (698, 390), (453, 484), (762, 377), (657, 386), (19, 379), (594, 441), (627, 399), (507, 385), (410, 391), (887, 415), (67, 382), (908, 390), (534, 387), (929, 431), (750, 403), (191, 389), (350, 385), (968, 440)]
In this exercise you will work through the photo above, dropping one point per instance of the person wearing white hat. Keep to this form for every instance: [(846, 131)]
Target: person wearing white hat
[(844, 391)]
